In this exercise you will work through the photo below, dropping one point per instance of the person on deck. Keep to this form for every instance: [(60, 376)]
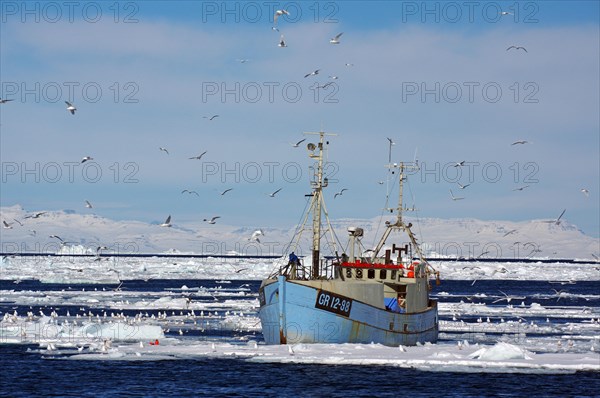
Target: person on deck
[(294, 260)]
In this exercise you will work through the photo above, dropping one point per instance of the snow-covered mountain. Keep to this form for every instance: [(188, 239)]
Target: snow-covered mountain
[(442, 237)]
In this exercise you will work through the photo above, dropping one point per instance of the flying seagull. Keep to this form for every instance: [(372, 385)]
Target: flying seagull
[(36, 215), (211, 117), (557, 221), (57, 237), (199, 156), (18, 222), (325, 85), (349, 64), (521, 188), (391, 141), (167, 222), (298, 143), (164, 150), (336, 39), (585, 192), (462, 186), (512, 231), (505, 13), (340, 193), (274, 193), (282, 42), (313, 73), (255, 235), (86, 158), (459, 164), (212, 220), (4, 101), (88, 204), (190, 192), (453, 197), (279, 13), (6, 225), (517, 48), (70, 107), (520, 142), (225, 191), (242, 61)]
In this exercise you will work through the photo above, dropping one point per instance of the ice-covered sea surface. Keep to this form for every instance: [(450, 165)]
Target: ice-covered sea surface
[(189, 326)]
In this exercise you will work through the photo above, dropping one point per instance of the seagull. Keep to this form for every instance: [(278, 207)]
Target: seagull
[(225, 191), (274, 193), (6, 225), (199, 156), (298, 143), (279, 13), (86, 158), (325, 85), (336, 39), (339, 193), (313, 73), (242, 61), (390, 140), (212, 220), (4, 101), (36, 215), (462, 186), (282, 42), (57, 237), (459, 164), (88, 204), (585, 192), (348, 64), (167, 222), (453, 197), (70, 107), (255, 235), (517, 48), (557, 221), (512, 231), (190, 192), (333, 77), (520, 142), (164, 150), (521, 188), (505, 13), (211, 117)]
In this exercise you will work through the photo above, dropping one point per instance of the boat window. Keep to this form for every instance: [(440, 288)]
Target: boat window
[(359, 273), (382, 274), (348, 273), (393, 276), (371, 274)]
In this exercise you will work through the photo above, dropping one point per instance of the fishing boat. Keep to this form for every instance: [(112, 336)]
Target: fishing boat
[(363, 296)]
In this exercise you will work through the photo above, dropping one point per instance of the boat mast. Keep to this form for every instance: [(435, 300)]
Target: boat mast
[(399, 224), (317, 201)]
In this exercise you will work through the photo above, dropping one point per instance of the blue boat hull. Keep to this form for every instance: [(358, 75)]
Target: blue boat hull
[(293, 313)]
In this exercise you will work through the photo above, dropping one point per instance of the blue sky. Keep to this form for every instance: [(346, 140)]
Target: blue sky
[(434, 76)]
